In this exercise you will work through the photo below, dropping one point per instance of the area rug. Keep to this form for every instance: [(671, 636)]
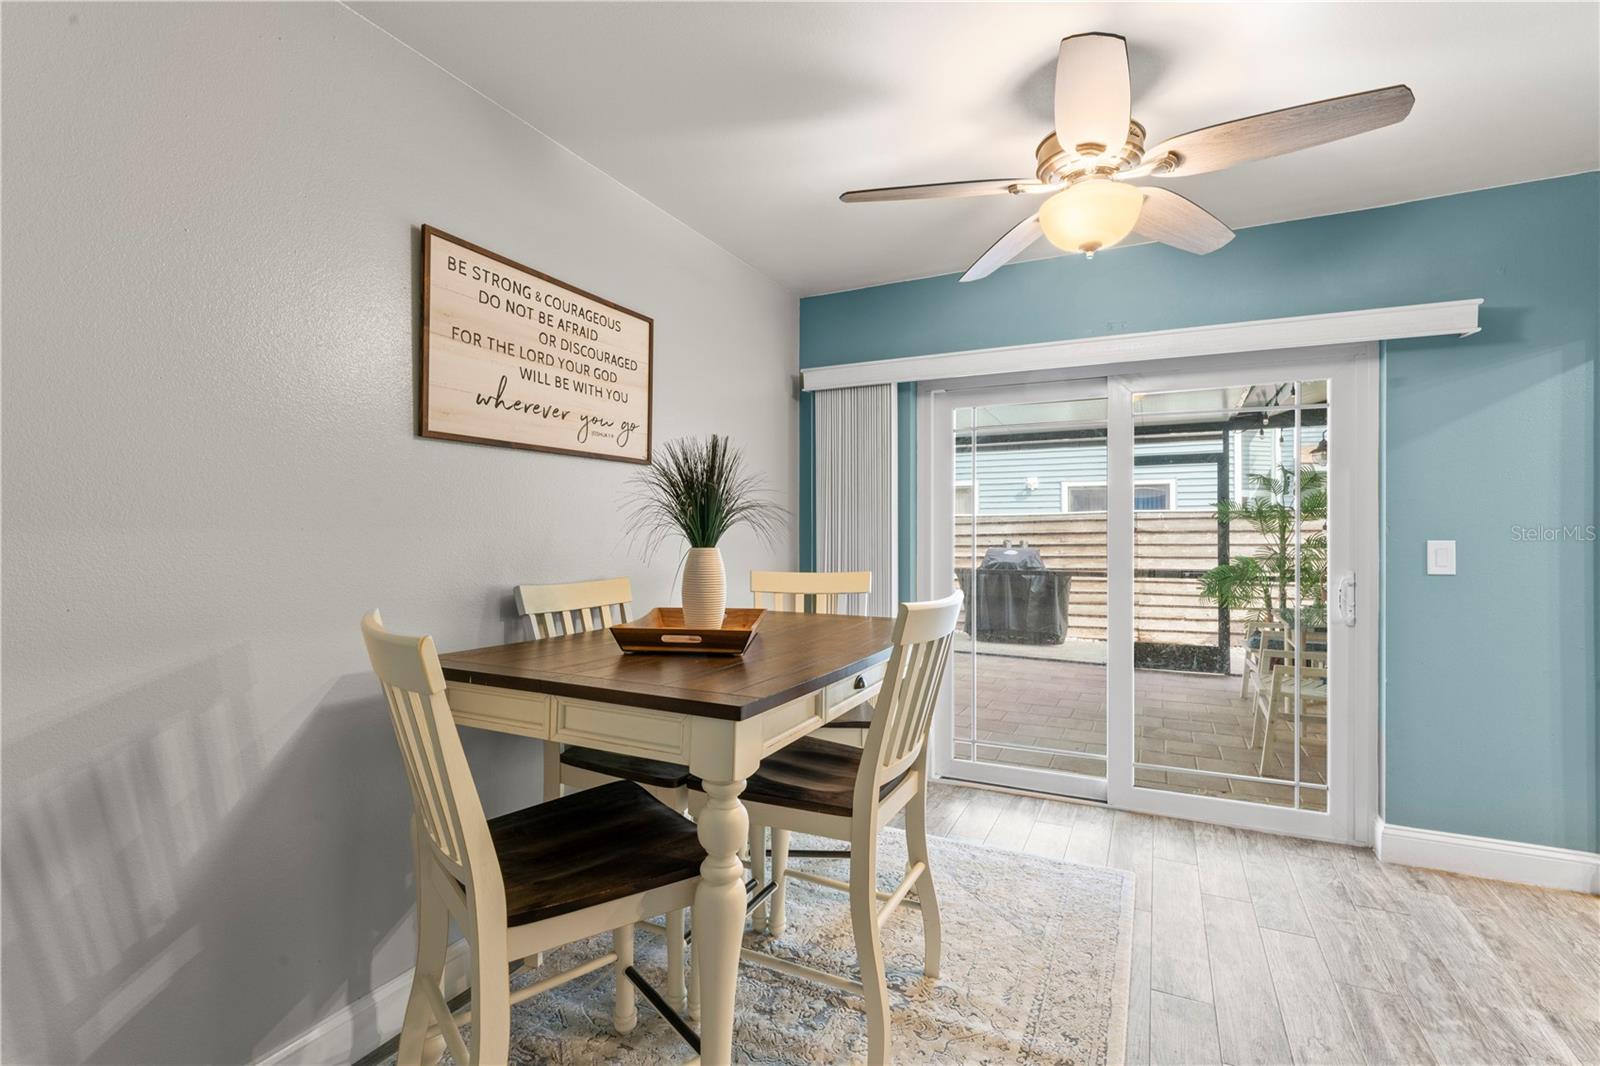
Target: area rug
[(1037, 954)]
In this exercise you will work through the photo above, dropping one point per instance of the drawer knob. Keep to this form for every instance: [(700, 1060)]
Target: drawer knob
[(861, 682)]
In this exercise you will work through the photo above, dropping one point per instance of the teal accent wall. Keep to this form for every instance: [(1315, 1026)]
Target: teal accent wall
[(1489, 692)]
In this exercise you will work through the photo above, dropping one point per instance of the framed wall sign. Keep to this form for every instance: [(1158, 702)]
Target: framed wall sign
[(514, 357)]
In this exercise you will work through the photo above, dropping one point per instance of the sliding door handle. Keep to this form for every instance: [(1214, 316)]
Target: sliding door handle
[(1344, 598)]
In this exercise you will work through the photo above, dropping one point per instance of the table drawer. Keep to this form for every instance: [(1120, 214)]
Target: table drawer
[(782, 725), (505, 710), (844, 694), (648, 734)]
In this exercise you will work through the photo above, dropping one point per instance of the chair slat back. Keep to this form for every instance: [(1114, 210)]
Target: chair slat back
[(443, 797), (1313, 685), (923, 635), (789, 590), (575, 607)]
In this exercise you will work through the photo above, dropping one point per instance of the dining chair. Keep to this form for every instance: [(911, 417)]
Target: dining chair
[(827, 592), (1275, 700), (850, 794), (796, 590), (577, 607), (1268, 645), (519, 884), (1261, 643), (823, 593)]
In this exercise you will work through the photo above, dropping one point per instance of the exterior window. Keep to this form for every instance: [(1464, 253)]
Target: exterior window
[(1080, 498), (1083, 498), (1153, 496), (966, 497)]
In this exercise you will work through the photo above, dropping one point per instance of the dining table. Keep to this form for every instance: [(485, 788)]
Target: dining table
[(719, 715)]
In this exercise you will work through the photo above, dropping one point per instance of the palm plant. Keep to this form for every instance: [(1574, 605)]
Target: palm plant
[(699, 489), (1259, 584)]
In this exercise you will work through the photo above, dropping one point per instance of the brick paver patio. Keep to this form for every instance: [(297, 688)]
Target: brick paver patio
[(1049, 714)]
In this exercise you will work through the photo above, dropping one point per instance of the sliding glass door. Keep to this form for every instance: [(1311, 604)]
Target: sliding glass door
[(1161, 574), (1025, 540)]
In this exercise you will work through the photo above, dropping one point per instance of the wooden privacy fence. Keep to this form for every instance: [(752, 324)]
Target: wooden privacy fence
[(1169, 548)]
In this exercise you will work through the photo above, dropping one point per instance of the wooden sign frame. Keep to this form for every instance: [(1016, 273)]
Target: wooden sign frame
[(428, 427)]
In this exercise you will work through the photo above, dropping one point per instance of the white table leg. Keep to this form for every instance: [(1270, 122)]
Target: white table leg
[(719, 916)]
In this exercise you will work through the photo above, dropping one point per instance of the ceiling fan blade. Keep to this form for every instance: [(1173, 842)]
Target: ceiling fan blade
[(1093, 99), (944, 190), (1180, 222), (1005, 249), (1275, 133)]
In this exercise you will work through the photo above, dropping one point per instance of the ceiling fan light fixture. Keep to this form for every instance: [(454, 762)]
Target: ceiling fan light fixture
[(1097, 139), (1090, 215)]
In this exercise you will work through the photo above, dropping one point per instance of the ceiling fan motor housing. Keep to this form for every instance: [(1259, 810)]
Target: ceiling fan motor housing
[(1063, 166)]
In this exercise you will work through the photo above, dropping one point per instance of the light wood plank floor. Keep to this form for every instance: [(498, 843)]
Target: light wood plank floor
[(1251, 948), (1255, 949)]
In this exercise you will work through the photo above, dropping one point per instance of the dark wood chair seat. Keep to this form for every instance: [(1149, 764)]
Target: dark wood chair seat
[(626, 767), (809, 775), (591, 847), (857, 717)]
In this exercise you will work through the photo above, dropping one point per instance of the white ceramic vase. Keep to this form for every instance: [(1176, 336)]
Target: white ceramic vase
[(705, 589)]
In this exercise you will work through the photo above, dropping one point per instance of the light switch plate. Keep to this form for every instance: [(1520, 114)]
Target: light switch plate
[(1441, 557)]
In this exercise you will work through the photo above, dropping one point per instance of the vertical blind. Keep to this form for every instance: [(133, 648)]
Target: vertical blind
[(856, 499)]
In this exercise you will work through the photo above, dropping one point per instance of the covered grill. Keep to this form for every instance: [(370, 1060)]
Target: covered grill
[(1015, 599)]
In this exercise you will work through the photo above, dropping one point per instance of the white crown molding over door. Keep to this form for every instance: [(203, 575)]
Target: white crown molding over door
[(1449, 318)]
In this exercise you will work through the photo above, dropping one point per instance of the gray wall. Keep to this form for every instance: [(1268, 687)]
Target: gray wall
[(210, 471)]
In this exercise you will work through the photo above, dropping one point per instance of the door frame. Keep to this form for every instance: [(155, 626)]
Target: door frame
[(1355, 753)]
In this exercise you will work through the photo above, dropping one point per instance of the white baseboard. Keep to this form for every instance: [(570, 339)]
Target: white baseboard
[(1502, 860), (328, 1043)]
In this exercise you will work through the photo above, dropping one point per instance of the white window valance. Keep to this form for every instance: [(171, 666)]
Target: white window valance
[(1450, 318)]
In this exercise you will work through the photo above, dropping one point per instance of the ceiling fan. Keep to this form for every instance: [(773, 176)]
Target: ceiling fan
[(1097, 147)]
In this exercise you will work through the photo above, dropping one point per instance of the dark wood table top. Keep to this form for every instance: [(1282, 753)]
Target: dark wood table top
[(792, 655)]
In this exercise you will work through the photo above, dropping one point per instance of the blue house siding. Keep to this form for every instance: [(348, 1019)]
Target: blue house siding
[(1002, 472), (1002, 475)]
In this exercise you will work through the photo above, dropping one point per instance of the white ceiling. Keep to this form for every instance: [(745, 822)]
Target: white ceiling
[(746, 121)]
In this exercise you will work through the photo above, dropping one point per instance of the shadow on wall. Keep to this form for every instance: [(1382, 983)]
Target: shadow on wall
[(136, 883)]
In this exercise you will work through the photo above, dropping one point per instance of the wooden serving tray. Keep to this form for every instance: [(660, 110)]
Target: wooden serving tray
[(663, 630)]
